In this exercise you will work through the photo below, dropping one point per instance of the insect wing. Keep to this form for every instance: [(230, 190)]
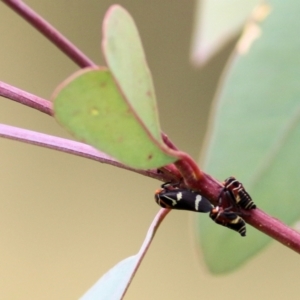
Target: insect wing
[(239, 225), (245, 200), (228, 219), (183, 200), (188, 200), (238, 193), (166, 199), (202, 204)]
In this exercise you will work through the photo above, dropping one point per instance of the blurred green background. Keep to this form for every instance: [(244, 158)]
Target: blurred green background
[(64, 221)]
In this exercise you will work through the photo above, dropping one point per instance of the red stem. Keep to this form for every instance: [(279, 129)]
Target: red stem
[(274, 228), (188, 168), (50, 32)]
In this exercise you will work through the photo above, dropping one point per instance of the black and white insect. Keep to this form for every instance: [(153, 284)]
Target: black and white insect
[(237, 193), (232, 195), (172, 197), (229, 219)]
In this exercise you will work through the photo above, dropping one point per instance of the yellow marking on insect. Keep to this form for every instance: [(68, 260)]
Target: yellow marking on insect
[(235, 221)]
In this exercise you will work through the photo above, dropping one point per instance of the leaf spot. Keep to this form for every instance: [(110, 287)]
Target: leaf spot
[(149, 94), (94, 111)]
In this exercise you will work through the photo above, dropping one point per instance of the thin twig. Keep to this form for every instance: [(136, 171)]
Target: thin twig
[(50, 32), (71, 147), (147, 242), (30, 100)]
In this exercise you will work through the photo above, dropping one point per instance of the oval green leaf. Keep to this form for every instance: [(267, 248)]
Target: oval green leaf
[(255, 134), (114, 284), (126, 60), (91, 107)]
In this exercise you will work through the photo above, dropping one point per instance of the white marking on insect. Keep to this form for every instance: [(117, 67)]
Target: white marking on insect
[(174, 202), (197, 201), (179, 196)]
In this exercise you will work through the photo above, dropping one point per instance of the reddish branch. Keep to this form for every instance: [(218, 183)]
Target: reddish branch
[(30, 100), (193, 177), (50, 32), (70, 147), (210, 188)]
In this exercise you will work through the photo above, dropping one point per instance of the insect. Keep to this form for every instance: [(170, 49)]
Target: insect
[(170, 196), (229, 219), (238, 194)]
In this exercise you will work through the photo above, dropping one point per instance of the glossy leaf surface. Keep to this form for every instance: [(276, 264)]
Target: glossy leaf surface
[(256, 131)]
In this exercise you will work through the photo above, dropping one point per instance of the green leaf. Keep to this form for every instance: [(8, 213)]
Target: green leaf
[(116, 113), (256, 131), (215, 23), (114, 284), (126, 59), (91, 107)]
